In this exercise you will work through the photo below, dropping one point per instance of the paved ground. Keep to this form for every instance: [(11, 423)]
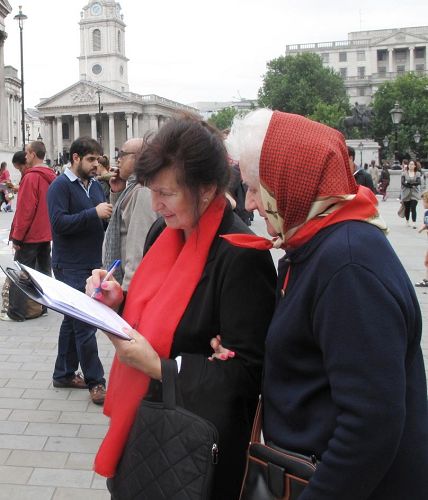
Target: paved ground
[(48, 437)]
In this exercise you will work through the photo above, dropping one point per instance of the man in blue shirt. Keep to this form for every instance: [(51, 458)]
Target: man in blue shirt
[(77, 212)]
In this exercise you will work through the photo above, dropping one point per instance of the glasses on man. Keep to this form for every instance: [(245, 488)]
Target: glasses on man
[(121, 154)]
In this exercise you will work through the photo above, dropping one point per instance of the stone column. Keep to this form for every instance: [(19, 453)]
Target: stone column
[(111, 137), (135, 125), (153, 123), (412, 59), (4, 139), (94, 127), (390, 61), (10, 120), (76, 127), (129, 134), (59, 136)]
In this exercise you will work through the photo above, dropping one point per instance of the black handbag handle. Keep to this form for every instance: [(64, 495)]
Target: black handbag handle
[(169, 376)]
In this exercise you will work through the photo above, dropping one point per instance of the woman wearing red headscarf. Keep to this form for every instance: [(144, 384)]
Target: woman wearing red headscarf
[(190, 286), (344, 375)]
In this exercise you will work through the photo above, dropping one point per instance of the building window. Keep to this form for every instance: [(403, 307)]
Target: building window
[(382, 70), (361, 55), (65, 131), (119, 42), (361, 71), (343, 56), (419, 52), (401, 68), (121, 70), (400, 55), (382, 55), (361, 91), (343, 72), (325, 56), (96, 40), (420, 67)]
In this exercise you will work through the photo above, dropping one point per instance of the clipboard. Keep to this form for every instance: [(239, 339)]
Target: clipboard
[(83, 308)]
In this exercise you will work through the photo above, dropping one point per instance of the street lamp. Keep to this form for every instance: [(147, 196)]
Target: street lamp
[(417, 138), (396, 115), (39, 137), (20, 17), (361, 147), (100, 108), (27, 128), (385, 142)]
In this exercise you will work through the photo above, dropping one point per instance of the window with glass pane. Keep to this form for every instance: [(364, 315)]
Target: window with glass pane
[(96, 40), (343, 56), (361, 55), (343, 72), (361, 71)]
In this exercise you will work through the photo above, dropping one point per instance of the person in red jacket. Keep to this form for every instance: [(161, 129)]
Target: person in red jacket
[(31, 231)]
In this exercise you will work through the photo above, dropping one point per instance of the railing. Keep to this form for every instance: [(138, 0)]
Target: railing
[(341, 44)]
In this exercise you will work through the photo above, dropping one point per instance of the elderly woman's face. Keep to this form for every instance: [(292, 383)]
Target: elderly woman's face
[(172, 201), (253, 198)]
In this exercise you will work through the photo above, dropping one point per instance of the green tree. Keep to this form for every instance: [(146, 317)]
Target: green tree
[(301, 84), (411, 92), (329, 114), (223, 119)]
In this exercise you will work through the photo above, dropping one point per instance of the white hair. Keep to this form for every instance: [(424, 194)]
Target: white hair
[(245, 140)]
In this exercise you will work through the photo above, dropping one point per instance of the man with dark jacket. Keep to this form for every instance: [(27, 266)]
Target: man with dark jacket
[(361, 176), (30, 233), (77, 210)]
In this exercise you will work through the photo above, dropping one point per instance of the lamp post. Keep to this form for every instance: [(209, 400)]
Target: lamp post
[(361, 147), (100, 108), (39, 137), (417, 138), (385, 142), (20, 17), (396, 115), (27, 128)]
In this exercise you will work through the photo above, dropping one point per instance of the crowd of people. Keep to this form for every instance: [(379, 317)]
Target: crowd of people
[(335, 332)]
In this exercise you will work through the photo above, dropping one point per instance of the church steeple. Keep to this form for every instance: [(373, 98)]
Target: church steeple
[(102, 45)]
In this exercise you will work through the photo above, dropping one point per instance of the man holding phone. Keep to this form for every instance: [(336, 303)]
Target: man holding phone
[(77, 212)]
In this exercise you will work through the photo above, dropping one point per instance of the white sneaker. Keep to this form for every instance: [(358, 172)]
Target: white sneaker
[(5, 317)]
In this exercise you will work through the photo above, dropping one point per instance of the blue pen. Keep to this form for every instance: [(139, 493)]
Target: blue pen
[(109, 274)]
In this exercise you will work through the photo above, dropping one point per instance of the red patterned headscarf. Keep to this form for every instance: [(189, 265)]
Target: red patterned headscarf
[(306, 182)]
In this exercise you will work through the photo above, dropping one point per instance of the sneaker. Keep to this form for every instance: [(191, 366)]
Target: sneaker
[(5, 317), (98, 394), (423, 283), (75, 382)]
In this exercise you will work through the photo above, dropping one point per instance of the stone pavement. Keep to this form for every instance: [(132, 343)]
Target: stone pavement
[(48, 436)]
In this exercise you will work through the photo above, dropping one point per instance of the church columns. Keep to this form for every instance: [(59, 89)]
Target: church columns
[(59, 136), (153, 123), (3, 122), (47, 134), (76, 127), (129, 134), (111, 136), (135, 120), (94, 127)]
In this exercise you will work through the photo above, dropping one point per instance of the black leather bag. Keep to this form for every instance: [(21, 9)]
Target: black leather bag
[(170, 454), (273, 473)]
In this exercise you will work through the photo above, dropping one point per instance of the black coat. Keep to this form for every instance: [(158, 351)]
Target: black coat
[(363, 178), (234, 298)]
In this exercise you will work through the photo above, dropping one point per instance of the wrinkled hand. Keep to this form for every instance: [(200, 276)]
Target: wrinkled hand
[(220, 352), (104, 210), (117, 184), (111, 293), (137, 353)]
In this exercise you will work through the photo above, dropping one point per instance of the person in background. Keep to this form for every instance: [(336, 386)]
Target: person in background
[(424, 227), (104, 175), (190, 286), (5, 197), (410, 191), (344, 377), (384, 181), (77, 212), (362, 177), (132, 216), (374, 172)]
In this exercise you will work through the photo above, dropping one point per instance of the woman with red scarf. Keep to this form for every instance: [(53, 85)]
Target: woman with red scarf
[(344, 377), (191, 286)]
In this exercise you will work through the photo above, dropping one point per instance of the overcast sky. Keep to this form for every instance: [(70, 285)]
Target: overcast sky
[(192, 50)]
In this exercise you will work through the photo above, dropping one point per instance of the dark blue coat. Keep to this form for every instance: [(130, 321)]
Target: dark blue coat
[(344, 374)]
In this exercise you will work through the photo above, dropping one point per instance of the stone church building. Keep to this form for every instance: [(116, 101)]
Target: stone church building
[(100, 104)]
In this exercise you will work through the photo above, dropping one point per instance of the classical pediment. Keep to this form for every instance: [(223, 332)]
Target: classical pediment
[(402, 37), (82, 94)]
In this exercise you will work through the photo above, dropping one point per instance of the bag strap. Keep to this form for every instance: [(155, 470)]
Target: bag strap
[(256, 431), (169, 375)]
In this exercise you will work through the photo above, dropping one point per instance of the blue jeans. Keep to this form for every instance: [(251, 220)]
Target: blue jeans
[(77, 342)]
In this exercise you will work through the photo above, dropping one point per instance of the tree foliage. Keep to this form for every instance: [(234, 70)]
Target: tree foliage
[(223, 119), (301, 84), (411, 92)]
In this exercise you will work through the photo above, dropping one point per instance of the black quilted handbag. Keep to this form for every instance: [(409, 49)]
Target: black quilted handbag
[(170, 454), (273, 473)]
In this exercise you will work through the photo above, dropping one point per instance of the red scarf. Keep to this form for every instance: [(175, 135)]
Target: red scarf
[(157, 299)]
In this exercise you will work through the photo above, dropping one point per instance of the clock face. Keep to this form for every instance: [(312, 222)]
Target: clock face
[(96, 9)]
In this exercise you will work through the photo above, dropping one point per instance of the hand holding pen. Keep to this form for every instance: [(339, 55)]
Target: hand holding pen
[(109, 274)]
